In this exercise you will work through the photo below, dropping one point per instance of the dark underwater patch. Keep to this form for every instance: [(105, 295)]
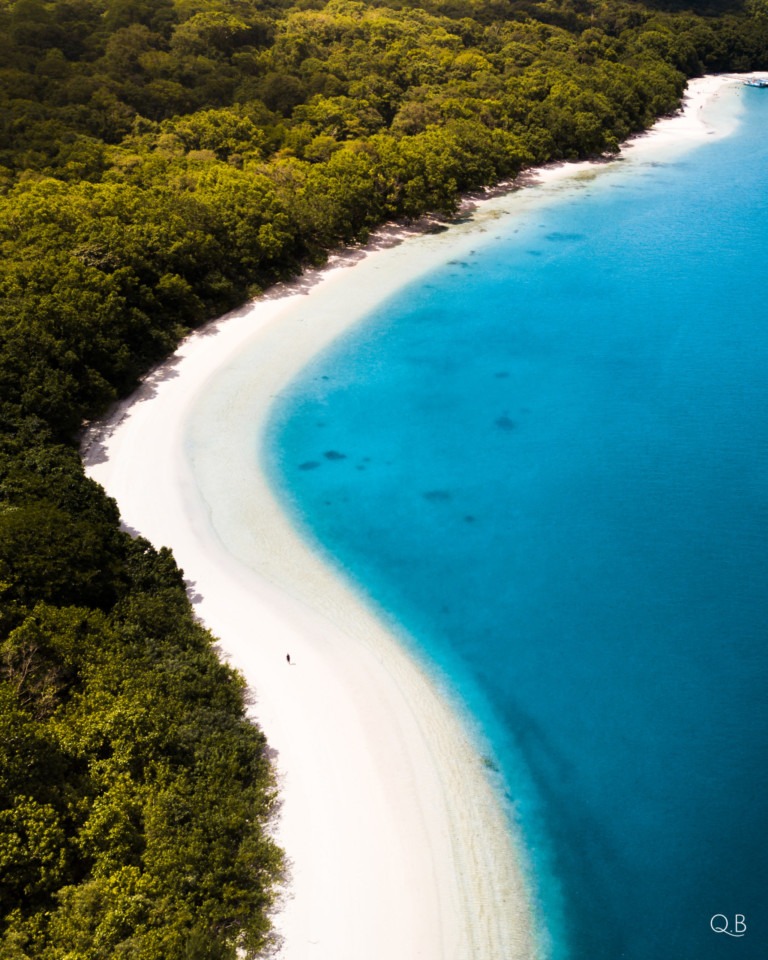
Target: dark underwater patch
[(558, 237), (437, 496)]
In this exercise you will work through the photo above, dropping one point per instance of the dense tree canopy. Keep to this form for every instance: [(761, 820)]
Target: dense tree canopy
[(160, 161)]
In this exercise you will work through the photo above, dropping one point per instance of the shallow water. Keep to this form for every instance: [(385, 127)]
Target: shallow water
[(547, 461)]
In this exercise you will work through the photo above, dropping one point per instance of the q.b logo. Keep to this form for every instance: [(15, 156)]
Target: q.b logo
[(721, 924)]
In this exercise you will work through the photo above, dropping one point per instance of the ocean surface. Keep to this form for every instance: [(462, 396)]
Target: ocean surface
[(547, 463)]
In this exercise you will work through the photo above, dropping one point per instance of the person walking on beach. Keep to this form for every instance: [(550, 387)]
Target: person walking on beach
[(288, 658)]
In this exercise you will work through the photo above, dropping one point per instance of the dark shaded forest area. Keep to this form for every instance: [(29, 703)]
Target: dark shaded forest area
[(160, 162)]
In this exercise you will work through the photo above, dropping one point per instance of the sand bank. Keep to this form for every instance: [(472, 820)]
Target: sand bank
[(398, 842)]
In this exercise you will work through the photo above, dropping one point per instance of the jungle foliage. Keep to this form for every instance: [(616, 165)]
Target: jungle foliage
[(160, 161)]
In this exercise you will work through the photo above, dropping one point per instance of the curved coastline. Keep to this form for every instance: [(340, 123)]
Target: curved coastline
[(388, 807)]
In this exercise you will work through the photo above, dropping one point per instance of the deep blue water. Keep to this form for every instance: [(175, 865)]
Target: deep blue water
[(548, 462)]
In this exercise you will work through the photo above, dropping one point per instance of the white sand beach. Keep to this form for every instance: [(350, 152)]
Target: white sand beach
[(398, 842)]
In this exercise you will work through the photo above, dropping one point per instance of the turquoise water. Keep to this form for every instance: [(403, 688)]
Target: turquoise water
[(548, 463)]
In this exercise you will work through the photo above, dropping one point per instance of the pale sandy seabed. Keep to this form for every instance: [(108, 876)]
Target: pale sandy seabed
[(397, 836)]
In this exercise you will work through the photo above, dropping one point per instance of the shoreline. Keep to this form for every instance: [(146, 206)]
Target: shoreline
[(388, 807)]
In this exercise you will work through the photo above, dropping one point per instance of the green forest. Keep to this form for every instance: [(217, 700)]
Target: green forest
[(161, 161)]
